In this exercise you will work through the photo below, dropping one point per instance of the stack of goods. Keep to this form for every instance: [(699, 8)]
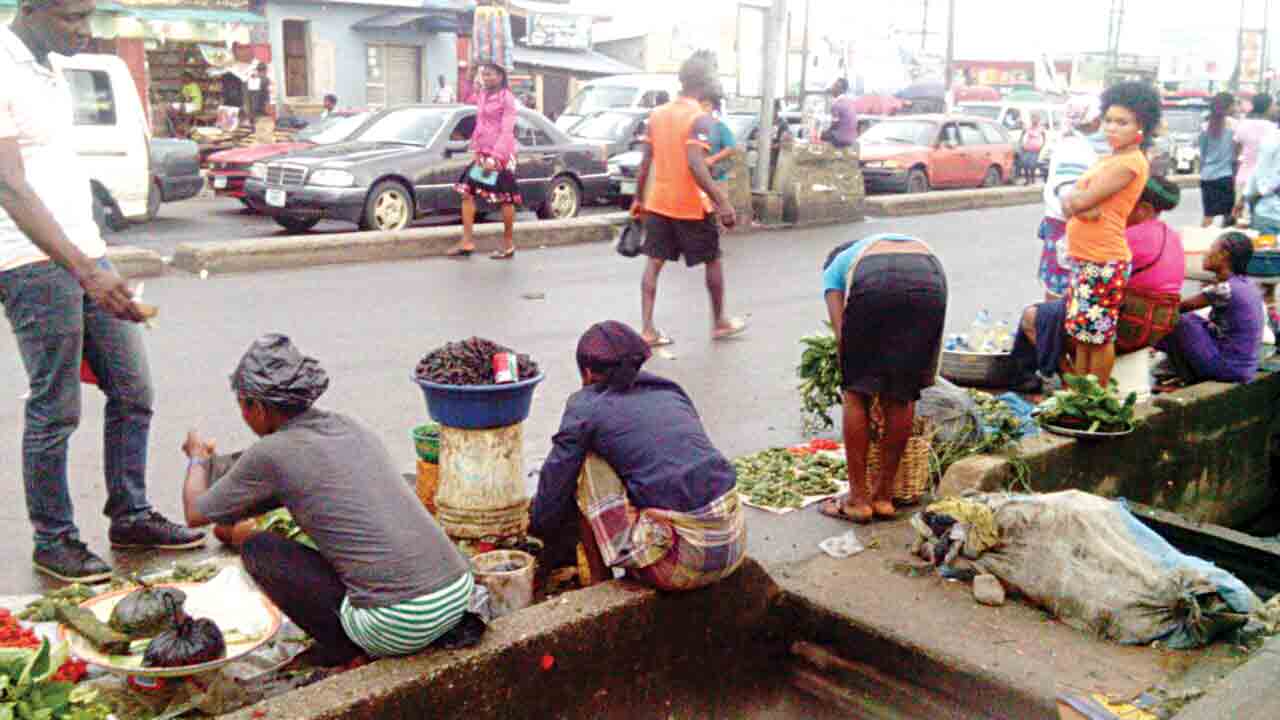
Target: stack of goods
[(471, 362), (491, 40)]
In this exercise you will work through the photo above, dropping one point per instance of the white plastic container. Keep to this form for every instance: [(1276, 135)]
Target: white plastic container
[(1132, 373)]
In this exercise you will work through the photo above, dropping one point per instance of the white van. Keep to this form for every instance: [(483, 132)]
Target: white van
[(111, 129), (635, 91), (1015, 116)]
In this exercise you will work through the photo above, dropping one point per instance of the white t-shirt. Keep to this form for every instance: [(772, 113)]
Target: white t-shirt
[(444, 96), (1072, 157), (36, 109)]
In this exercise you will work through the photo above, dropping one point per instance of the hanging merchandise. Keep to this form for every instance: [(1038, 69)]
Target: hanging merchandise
[(491, 39)]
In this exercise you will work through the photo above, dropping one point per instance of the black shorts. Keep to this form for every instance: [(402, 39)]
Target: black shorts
[(667, 239), (1218, 196)]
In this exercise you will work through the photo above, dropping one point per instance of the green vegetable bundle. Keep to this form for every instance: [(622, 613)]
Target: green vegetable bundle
[(821, 386), (28, 692), (1086, 405), (279, 521), (777, 478)]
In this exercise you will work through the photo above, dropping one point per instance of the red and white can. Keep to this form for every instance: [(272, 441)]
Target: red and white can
[(506, 368)]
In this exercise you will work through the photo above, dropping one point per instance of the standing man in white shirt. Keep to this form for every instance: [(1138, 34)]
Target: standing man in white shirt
[(444, 96), (65, 303)]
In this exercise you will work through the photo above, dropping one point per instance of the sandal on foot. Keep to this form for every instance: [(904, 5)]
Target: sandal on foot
[(503, 254), (835, 508), (660, 341), (736, 327), (884, 509), (459, 252)]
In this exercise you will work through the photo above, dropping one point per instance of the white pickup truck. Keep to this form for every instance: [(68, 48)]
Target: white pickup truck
[(131, 173)]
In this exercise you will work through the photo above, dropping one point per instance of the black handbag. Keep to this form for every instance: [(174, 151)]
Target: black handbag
[(630, 240)]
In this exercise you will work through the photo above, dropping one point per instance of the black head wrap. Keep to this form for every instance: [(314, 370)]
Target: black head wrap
[(614, 350), (275, 372)]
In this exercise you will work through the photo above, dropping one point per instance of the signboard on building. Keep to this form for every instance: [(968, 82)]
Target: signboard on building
[(1250, 56), (558, 30)]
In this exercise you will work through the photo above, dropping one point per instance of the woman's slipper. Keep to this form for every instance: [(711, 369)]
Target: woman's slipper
[(503, 254), (459, 253), (835, 508), (884, 509), (660, 341), (736, 328)]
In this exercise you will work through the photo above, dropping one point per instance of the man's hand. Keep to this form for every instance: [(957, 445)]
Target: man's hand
[(728, 216), (637, 209), (109, 291), (197, 448)]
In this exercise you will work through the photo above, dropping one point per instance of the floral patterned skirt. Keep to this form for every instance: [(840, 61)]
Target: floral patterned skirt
[(1054, 276), (1094, 298), (505, 191)]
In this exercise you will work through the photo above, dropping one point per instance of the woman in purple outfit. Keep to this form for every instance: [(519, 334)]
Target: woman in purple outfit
[(492, 172), (1225, 346)]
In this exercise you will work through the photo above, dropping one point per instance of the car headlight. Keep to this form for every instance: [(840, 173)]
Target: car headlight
[(332, 178), (258, 171)]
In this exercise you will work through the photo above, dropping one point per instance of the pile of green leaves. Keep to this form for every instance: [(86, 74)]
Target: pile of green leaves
[(820, 380), (997, 432), (778, 478), (45, 608), (279, 521), (27, 691), (1086, 405)]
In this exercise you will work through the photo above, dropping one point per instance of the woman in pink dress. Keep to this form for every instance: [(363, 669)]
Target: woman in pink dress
[(492, 172)]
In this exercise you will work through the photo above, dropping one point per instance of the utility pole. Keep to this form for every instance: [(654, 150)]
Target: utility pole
[(1265, 80), (951, 40), (804, 53), (924, 27), (1236, 76), (775, 26)]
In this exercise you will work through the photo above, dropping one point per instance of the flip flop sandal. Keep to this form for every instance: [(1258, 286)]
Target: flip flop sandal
[(503, 254), (459, 253), (736, 327), (661, 341), (834, 508), (879, 509)]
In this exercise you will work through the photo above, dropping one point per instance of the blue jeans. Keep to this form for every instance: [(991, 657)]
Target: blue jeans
[(57, 325)]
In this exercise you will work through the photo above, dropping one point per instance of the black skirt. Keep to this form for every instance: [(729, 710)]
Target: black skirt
[(506, 191), (1218, 196), (893, 321)]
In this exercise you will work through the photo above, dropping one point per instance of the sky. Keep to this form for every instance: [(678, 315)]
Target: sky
[(1014, 29)]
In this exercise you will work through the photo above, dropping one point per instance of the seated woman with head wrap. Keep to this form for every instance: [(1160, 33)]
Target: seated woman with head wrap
[(634, 476), (384, 580)]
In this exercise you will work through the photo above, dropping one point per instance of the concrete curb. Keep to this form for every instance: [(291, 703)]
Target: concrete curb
[(135, 262), (1247, 692), (940, 201), (312, 250)]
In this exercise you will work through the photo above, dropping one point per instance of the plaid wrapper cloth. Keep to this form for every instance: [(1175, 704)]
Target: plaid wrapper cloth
[(664, 548)]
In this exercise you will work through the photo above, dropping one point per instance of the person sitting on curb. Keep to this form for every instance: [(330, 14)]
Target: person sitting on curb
[(385, 579), (653, 496)]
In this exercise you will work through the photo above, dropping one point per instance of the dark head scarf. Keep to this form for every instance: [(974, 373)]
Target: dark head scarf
[(274, 372), (614, 350)]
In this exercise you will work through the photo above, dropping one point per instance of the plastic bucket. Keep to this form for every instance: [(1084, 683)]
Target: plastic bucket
[(426, 441), (428, 483), (479, 407), (508, 575)]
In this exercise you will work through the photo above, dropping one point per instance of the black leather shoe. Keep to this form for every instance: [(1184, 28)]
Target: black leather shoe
[(71, 561), (153, 531)]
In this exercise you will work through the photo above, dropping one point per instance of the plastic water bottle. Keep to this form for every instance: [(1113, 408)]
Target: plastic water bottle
[(1003, 337), (981, 331)]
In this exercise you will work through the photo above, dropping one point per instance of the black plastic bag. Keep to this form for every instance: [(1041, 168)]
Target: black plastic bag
[(191, 642), (145, 612), (631, 239)]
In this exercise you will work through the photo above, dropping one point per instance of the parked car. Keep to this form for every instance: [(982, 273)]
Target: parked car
[(617, 130), (636, 91), (1014, 116), (229, 169), (1185, 126), (175, 172), (918, 152), (403, 165)]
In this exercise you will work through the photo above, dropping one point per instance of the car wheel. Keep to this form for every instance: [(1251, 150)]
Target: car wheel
[(389, 207), (917, 181), (154, 198), (296, 224), (562, 200), (992, 178), (245, 202)]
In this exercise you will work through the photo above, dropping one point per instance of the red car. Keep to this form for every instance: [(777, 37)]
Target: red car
[(230, 168), (914, 153)]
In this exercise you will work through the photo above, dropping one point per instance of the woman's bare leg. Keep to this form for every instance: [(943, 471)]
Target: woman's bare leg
[(898, 420), (857, 441)]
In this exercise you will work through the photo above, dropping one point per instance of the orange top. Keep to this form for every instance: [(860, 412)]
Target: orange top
[(1102, 240), (671, 190)]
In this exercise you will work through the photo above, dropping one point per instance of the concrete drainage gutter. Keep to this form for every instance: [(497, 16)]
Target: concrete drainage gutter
[(941, 201)]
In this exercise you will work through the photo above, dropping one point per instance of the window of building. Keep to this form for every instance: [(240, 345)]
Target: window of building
[(375, 75), (94, 103), (393, 75), (296, 66)]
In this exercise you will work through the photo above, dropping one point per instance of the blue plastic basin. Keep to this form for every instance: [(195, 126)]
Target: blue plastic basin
[(477, 407)]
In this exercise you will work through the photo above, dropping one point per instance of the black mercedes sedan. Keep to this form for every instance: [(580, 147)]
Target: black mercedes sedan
[(403, 165)]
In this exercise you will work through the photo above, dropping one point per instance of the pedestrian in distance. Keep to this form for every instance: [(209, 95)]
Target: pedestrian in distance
[(723, 144), (444, 94), (330, 104), (67, 305), (491, 175), (1249, 136), (1033, 139), (886, 298), (676, 196), (1072, 157), (1218, 153), (844, 132), (1097, 213)]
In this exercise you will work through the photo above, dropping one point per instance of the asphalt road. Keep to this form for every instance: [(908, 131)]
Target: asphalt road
[(369, 324), (207, 218)]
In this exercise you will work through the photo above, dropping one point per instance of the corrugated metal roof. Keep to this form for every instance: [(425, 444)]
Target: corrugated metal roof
[(587, 62)]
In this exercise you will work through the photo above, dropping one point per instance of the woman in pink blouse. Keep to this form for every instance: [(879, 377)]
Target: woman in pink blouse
[(492, 172)]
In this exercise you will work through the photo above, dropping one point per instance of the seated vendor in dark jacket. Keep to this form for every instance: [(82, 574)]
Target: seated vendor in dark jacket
[(632, 468), (385, 579)]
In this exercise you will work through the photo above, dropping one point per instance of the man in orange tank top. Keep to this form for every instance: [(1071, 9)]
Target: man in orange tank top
[(677, 196)]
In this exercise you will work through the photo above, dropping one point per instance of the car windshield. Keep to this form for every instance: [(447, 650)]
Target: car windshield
[(595, 98), (909, 132), (990, 112), (333, 130), (1183, 122), (605, 126), (410, 126)]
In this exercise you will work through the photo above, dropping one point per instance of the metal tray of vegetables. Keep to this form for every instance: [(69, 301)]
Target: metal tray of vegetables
[(781, 480)]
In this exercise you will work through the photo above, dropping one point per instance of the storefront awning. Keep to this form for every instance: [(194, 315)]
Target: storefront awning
[(436, 22), (105, 7), (193, 14), (581, 62)]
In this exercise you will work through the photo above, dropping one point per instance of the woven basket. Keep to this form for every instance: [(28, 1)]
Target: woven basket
[(912, 481)]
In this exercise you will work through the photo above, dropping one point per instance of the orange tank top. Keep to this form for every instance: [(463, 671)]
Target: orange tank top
[(672, 191), (1102, 240)]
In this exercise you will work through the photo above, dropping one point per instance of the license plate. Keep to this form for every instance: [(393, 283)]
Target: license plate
[(220, 182), (276, 198), (627, 187)]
